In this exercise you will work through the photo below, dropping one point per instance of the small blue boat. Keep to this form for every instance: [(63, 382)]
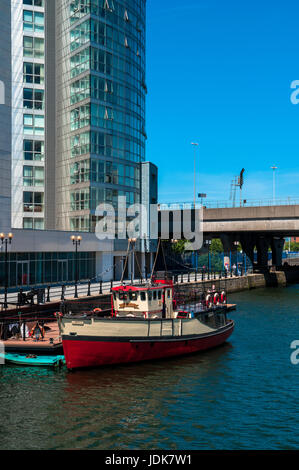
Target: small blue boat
[(33, 360)]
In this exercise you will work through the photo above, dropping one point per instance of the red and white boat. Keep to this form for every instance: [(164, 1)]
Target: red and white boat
[(145, 324)]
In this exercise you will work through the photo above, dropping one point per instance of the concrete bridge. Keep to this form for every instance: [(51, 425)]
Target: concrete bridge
[(260, 228)]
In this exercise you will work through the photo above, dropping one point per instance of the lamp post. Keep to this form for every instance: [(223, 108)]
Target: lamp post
[(132, 242), (76, 241), (208, 244), (5, 241), (195, 144), (274, 188), (236, 245)]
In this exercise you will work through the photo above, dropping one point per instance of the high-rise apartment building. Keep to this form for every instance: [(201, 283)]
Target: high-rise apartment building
[(28, 113), (99, 97), (78, 103), (72, 136)]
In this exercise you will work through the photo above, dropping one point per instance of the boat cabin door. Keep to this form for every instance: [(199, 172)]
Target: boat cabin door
[(168, 304)]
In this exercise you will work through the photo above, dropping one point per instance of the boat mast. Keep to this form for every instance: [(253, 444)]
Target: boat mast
[(154, 265), (126, 262)]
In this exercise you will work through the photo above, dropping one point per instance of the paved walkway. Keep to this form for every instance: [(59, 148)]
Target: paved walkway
[(95, 288)]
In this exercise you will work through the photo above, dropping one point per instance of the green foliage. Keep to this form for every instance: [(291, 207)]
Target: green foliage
[(293, 245), (216, 246), (179, 247)]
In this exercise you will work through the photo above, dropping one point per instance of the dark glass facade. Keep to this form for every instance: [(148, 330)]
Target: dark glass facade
[(46, 268), (105, 128)]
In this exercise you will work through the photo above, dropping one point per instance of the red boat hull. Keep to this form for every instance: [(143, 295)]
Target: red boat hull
[(81, 352)]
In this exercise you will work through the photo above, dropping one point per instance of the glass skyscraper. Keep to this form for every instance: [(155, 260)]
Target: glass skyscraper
[(95, 140), (72, 112)]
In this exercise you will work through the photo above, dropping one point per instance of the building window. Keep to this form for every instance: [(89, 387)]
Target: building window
[(33, 21), (33, 124), (34, 150), (80, 90), (80, 144), (33, 99), (33, 47), (80, 35), (34, 73), (80, 117), (80, 200), (108, 5), (33, 176), (36, 224), (80, 224), (80, 172), (80, 62), (36, 3), (33, 202)]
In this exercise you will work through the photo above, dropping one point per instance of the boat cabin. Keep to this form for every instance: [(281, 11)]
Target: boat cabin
[(145, 301)]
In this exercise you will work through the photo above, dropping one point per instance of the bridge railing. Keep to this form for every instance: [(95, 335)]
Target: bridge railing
[(229, 204)]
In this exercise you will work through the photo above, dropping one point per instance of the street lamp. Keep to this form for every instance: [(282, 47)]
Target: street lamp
[(208, 244), (236, 245), (76, 241), (6, 239), (132, 242), (274, 168), (195, 144)]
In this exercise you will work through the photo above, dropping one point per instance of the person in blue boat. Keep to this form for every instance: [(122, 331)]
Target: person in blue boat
[(38, 332)]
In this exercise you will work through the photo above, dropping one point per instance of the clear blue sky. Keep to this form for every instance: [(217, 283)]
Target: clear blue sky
[(219, 73)]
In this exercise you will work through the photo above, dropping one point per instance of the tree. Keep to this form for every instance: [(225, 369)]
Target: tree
[(216, 246), (179, 246)]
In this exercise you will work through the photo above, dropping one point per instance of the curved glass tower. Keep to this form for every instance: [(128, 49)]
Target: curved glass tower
[(99, 71)]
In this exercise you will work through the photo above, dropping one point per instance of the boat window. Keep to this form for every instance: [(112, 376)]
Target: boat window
[(154, 295), (114, 295), (159, 294), (168, 294), (123, 296), (133, 295), (142, 295), (149, 295)]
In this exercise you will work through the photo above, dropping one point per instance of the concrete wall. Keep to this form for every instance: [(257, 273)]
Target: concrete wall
[(57, 241), (278, 219), (252, 281)]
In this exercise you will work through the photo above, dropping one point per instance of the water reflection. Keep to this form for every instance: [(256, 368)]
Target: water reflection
[(242, 395)]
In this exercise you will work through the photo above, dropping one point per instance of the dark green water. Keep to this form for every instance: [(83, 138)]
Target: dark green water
[(243, 395)]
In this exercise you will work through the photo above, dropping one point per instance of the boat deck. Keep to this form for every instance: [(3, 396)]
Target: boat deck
[(43, 346), (231, 307)]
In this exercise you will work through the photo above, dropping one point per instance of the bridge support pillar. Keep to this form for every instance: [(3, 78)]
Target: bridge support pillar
[(277, 245), (228, 247), (262, 246), (248, 242)]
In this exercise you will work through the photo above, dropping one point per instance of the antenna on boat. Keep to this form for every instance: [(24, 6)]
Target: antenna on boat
[(154, 265), (138, 265), (165, 265), (126, 261)]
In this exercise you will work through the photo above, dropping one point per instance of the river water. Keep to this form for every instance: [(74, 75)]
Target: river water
[(243, 395)]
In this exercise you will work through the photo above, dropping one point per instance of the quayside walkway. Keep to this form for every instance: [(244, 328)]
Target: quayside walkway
[(56, 294)]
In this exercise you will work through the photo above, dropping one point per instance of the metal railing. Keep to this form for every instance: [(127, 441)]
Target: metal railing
[(290, 201), (93, 289)]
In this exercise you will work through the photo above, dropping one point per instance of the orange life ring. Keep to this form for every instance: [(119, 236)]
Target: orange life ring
[(96, 310), (223, 297)]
